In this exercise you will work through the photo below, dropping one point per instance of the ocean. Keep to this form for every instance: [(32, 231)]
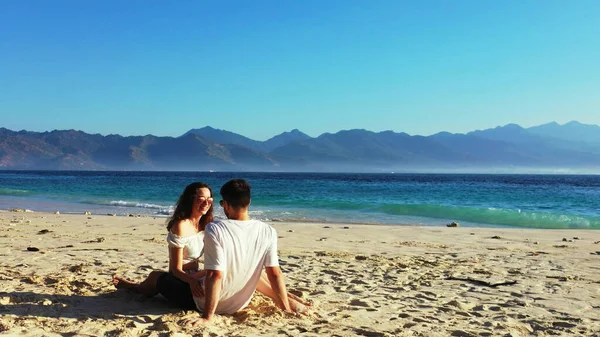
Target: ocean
[(476, 200)]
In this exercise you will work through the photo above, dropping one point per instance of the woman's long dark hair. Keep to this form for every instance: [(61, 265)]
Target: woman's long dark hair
[(183, 208)]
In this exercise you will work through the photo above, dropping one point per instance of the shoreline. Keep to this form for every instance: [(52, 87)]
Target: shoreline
[(370, 280), (135, 211)]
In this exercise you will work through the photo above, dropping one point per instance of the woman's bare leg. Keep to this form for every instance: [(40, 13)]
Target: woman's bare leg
[(297, 304), (146, 287)]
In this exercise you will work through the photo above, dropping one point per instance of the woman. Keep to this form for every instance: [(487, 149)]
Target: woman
[(194, 210)]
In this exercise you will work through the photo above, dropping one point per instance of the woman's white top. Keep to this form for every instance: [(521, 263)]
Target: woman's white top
[(193, 245)]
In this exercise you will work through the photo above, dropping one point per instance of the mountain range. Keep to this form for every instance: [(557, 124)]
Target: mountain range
[(510, 148)]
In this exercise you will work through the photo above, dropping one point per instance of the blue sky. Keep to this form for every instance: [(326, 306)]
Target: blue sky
[(259, 68)]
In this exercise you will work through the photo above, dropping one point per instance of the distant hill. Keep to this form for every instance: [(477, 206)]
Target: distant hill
[(285, 138), (227, 137), (572, 131), (573, 146), (76, 150)]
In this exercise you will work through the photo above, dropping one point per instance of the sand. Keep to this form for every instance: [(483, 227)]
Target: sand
[(365, 280)]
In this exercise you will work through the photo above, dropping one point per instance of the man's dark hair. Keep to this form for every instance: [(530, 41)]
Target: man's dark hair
[(237, 193)]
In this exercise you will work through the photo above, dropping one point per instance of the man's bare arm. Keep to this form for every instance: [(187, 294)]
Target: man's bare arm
[(212, 292), (278, 284)]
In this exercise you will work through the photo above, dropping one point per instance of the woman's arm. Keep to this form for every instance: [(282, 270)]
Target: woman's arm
[(176, 268)]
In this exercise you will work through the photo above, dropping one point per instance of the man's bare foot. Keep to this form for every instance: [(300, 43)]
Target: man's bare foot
[(121, 283)]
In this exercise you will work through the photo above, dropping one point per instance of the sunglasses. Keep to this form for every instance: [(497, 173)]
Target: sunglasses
[(204, 199)]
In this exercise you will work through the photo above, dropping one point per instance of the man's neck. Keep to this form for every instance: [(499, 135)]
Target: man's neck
[(241, 214)]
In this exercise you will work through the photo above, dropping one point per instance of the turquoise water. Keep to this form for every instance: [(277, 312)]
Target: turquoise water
[(528, 201)]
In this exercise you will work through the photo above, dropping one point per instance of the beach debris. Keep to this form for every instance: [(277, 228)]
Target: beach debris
[(536, 242), (564, 278), (57, 213), (33, 249), (326, 227), (596, 253), (44, 231), (453, 224), (77, 268), (47, 302), (87, 213), (576, 238), (97, 240), (565, 240), (596, 242), (481, 282), (465, 306), (359, 303), (323, 239), (346, 227), (496, 237), (89, 217), (111, 214), (361, 257), (18, 210), (290, 230)]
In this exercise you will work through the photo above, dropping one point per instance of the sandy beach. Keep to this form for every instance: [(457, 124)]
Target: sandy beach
[(364, 280)]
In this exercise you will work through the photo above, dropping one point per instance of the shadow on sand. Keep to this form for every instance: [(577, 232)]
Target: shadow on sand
[(107, 305)]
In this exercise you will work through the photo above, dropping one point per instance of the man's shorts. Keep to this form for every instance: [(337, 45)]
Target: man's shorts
[(176, 291)]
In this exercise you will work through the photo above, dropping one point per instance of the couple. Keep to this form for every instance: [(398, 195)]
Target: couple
[(235, 252)]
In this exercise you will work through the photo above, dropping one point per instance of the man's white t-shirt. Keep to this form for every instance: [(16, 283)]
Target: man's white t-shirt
[(240, 249)]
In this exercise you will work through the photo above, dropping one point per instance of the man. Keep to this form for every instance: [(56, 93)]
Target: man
[(235, 252)]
